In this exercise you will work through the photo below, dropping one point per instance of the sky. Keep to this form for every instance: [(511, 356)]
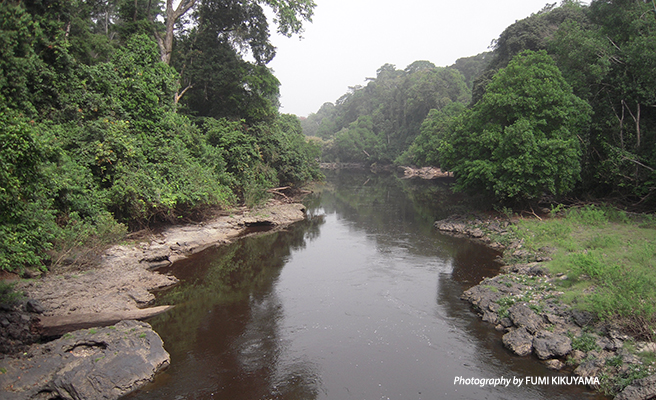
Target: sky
[(349, 40)]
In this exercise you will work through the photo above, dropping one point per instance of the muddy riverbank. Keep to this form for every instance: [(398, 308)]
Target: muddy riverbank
[(524, 302)]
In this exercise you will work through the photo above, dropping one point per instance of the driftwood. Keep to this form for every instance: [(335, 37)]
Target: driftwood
[(60, 324)]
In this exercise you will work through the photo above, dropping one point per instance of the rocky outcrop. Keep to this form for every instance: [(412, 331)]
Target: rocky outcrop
[(641, 389), (549, 345), (519, 341), (523, 301), (103, 363), (125, 276), (424, 173)]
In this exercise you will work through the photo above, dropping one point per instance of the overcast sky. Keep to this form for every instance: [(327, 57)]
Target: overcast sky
[(349, 40)]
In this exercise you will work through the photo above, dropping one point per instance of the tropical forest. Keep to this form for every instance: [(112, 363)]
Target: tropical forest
[(484, 229), (118, 114), (563, 104)]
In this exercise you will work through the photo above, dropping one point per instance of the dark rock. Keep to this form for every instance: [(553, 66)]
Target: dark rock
[(34, 306), (550, 345), (506, 322), (538, 270), (102, 363), (522, 316), (590, 367), (490, 317), (519, 341), (582, 318), (641, 389)]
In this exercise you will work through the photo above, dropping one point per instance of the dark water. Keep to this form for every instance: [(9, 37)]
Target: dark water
[(361, 301)]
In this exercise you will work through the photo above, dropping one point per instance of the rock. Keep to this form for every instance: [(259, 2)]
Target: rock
[(549, 345), (476, 233), (590, 367), (641, 389), (490, 317), (60, 324), (577, 356), (642, 347), (34, 306), (554, 364), (519, 341), (102, 363), (582, 318), (522, 316)]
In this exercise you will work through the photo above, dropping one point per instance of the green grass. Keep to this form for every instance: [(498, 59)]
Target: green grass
[(609, 259)]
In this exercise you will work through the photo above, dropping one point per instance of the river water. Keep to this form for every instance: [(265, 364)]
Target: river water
[(360, 301)]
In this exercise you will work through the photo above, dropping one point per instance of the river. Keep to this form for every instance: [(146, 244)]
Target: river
[(360, 301)]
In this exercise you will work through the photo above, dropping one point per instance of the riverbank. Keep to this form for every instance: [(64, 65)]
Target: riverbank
[(118, 287), (549, 298)]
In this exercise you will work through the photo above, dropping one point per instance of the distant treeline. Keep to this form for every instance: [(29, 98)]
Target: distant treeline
[(565, 103), (118, 113)]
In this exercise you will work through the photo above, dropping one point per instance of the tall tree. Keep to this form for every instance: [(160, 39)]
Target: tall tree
[(520, 140), (290, 15)]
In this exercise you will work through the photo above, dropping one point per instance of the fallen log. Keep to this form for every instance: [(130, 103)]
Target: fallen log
[(57, 325)]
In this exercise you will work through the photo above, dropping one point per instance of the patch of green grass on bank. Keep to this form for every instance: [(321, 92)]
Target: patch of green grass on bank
[(609, 259)]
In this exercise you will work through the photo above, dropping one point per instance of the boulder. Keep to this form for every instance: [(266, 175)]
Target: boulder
[(554, 364), (522, 316), (548, 345), (98, 363), (519, 341), (640, 389)]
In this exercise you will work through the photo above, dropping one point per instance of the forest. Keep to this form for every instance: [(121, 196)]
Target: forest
[(562, 106), (117, 114)]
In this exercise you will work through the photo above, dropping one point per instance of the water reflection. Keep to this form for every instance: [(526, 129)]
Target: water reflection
[(224, 334), (366, 307)]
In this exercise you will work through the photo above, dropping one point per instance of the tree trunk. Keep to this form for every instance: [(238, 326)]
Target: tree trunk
[(166, 43)]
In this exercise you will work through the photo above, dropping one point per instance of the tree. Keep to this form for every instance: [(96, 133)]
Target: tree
[(520, 140), (290, 15)]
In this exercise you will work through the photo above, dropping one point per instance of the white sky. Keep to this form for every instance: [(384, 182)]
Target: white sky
[(349, 40)]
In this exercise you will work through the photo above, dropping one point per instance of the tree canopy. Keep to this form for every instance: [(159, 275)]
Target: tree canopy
[(96, 135), (520, 140)]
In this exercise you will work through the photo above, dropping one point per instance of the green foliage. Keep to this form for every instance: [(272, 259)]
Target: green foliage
[(586, 342), (520, 140), (378, 122), (424, 149), (285, 149), (90, 140)]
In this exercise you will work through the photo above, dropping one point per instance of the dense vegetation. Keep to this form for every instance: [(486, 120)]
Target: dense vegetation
[(564, 104), (97, 131)]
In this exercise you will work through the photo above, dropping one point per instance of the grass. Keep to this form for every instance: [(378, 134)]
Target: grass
[(609, 259)]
